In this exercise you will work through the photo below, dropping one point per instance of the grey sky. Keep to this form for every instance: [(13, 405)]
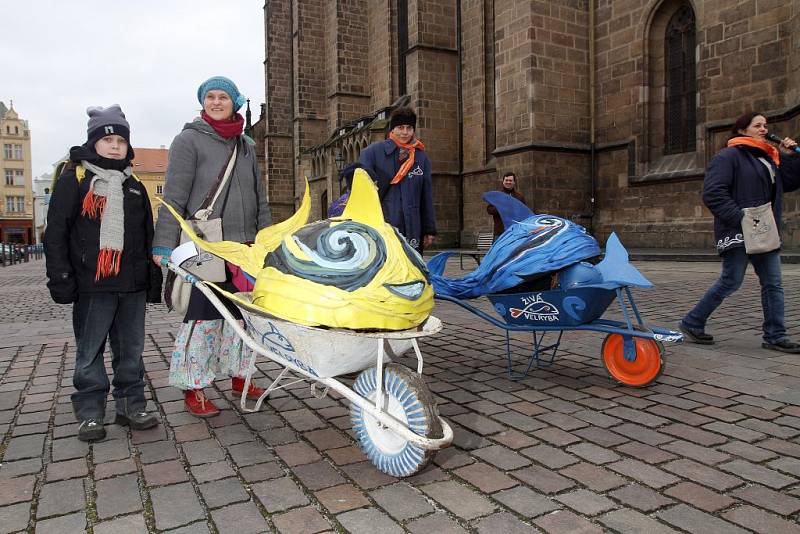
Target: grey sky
[(60, 56)]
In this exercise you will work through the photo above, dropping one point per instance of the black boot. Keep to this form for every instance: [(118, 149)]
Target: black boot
[(137, 419), (695, 336), (91, 430), (783, 345)]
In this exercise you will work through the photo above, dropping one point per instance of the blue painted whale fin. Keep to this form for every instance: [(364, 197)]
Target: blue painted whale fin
[(616, 268), (510, 209)]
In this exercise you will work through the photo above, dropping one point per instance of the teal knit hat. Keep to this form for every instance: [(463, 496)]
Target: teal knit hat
[(221, 83)]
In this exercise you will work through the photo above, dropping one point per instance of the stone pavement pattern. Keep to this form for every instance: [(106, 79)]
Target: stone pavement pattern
[(714, 446)]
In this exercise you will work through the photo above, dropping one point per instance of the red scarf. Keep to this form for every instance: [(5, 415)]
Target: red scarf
[(406, 166), (228, 128), (770, 150)]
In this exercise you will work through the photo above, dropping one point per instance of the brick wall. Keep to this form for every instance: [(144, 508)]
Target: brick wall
[(381, 53), (347, 45), (793, 89), (745, 57), (743, 62), (555, 64), (524, 68), (477, 108), (432, 64), (278, 147)]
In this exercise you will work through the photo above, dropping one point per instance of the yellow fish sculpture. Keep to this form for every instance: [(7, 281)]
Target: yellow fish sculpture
[(353, 271)]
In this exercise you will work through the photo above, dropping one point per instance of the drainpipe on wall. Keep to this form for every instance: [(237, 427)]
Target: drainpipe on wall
[(460, 123), (592, 113), (295, 197)]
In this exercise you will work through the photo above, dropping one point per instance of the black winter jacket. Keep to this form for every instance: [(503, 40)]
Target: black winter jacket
[(737, 179), (71, 243)]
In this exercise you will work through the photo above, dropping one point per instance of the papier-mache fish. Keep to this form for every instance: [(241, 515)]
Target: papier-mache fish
[(353, 271)]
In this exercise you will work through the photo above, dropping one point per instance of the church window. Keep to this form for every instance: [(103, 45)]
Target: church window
[(681, 86)]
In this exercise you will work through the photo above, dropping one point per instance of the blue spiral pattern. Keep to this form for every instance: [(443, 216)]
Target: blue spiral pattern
[(346, 255)]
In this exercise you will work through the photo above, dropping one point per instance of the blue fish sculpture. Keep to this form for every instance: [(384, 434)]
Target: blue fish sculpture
[(530, 246)]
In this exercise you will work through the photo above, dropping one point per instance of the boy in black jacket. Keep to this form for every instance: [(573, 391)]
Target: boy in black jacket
[(97, 249)]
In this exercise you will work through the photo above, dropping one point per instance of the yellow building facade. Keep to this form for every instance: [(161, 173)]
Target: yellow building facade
[(16, 188), (150, 166)]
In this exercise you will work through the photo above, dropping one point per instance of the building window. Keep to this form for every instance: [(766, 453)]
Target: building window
[(159, 190), (8, 151), (679, 55), (15, 177), (15, 204), (17, 151)]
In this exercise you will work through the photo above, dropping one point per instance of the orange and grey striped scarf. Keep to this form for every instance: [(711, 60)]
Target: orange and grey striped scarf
[(104, 201), (409, 162)]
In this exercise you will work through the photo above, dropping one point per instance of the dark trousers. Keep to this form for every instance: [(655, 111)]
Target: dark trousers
[(734, 265), (120, 318)]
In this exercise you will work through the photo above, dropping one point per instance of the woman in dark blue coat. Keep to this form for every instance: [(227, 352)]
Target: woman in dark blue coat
[(402, 172), (749, 172)]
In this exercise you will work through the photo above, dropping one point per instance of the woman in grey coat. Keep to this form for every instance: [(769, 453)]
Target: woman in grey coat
[(205, 344)]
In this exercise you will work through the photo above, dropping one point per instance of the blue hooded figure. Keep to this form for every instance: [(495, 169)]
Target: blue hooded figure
[(530, 246)]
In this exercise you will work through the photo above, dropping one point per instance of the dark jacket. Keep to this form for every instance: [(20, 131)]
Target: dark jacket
[(737, 179), (491, 210), (71, 243), (408, 205)]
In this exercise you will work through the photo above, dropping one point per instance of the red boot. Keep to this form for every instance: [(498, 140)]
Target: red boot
[(237, 385), (198, 404)]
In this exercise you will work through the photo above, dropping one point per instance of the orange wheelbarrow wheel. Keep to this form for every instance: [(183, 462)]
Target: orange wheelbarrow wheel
[(646, 367)]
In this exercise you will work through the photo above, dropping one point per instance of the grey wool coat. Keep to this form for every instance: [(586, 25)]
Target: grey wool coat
[(196, 157)]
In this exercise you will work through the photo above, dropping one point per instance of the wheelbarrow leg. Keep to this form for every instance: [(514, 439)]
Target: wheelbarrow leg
[(539, 348)]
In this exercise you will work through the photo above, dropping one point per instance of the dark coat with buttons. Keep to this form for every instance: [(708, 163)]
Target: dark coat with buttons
[(737, 179), (407, 205)]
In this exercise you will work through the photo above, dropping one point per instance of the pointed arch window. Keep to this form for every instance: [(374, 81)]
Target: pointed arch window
[(681, 82)]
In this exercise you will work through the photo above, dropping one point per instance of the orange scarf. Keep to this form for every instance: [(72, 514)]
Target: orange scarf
[(406, 166), (770, 150)]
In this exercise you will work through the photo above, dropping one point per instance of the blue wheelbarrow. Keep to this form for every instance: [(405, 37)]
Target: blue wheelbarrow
[(632, 352), (575, 299)]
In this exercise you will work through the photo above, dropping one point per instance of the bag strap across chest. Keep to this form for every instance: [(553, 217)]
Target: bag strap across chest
[(207, 207)]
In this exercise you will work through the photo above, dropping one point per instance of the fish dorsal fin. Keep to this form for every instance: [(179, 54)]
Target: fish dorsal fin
[(364, 205), (271, 236), (615, 266), (510, 209)]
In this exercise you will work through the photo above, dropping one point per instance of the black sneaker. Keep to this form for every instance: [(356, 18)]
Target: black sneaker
[(783, 346), (91, 430), (137, 421), (696, 336)]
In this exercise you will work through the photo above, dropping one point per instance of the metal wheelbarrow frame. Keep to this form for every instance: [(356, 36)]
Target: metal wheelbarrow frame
[(632, 352), (393, 412)]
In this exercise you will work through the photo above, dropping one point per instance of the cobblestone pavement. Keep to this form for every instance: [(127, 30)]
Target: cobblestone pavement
[(714, 446)]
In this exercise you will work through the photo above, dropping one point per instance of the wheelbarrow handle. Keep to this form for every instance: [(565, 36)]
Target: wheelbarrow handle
[(183, 273)]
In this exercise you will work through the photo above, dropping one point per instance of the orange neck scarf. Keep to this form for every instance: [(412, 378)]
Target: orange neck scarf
[(406, 166), (770, 150)]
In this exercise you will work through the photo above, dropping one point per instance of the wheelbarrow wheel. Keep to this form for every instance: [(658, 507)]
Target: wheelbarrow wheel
[(645, 369), (407, 399)]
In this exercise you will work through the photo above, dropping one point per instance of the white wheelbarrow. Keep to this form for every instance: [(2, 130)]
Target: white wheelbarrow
[(394, 415)]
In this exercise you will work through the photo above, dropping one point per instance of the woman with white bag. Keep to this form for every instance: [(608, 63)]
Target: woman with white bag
[(743, 188), (211, 174)]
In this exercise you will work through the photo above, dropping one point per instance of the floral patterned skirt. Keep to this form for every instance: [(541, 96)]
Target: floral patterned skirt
[(205, 350)]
